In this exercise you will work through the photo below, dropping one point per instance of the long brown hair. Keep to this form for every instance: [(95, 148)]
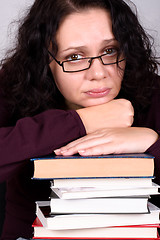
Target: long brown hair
[(29, 85)]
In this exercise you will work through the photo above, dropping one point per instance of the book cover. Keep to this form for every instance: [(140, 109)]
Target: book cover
[(118, 165), (139, 231), (78, 221)]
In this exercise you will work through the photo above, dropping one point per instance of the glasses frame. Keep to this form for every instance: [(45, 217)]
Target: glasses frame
[(90, 59)]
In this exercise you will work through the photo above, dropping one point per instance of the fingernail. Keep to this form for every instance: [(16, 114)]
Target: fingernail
[(57, 151), (81, 151)]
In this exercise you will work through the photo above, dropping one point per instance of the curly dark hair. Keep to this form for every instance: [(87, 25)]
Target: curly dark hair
[(29, 85)]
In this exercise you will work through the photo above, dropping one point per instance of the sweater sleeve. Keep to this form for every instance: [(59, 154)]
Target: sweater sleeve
[(153, 121), (155, 151), (36, 136)]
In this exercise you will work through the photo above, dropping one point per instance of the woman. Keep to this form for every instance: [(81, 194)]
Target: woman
[(75, 61)]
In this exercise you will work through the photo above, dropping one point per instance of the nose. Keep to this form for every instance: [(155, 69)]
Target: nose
[(97, 70)]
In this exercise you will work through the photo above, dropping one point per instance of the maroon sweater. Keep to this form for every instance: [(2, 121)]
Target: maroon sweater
[(39, 135)]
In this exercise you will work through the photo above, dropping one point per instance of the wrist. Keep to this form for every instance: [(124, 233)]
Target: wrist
[(86, 119)]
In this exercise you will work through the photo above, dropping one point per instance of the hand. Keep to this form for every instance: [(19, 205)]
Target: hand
[(112, 141), (116, 113)]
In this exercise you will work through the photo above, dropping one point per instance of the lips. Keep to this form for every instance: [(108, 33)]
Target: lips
[(99, 92)]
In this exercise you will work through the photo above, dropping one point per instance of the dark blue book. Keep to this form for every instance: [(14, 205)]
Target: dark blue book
[(110, 166)]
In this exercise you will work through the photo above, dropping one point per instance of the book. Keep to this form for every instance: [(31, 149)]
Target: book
[(97, 192), (78, 221), (108, 182), (140, 231), (118, 165), (100, 205)]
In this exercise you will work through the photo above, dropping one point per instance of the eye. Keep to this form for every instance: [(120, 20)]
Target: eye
[(74, 57), (110, 51)]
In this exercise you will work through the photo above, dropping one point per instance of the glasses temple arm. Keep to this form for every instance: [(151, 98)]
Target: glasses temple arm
[(54, 58)]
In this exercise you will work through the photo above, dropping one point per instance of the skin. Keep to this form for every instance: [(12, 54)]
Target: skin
[(112, 141), (98, 85), (92, 92), (77, 36)]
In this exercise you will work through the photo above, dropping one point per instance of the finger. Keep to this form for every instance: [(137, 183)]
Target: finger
[(107, 148), (71, 145), (80, 143), (89, 143)]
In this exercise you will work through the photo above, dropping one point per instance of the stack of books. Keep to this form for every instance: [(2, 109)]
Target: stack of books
[(97, 197)]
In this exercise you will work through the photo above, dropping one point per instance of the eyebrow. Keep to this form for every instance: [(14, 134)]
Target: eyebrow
[(106, 41)]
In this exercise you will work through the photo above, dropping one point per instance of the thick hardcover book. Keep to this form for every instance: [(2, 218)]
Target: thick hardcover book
[(141, 231), (79, 221), (100, 205), (119, 165), (97, 192)]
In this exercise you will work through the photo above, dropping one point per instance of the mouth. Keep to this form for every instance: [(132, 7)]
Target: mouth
[(99, 92)]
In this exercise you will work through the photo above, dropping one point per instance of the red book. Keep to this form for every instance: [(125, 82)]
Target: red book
[(123, 232)]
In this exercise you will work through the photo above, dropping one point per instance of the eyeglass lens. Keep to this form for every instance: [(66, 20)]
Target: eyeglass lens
[(84, 63)]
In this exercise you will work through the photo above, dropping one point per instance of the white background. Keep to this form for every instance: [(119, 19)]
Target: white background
[(11, 10)]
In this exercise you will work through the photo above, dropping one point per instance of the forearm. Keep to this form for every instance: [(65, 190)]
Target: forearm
[(37, 136), (112, 140), (116, 113)]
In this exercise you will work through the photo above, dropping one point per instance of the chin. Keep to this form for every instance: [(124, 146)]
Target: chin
[(98, 102)]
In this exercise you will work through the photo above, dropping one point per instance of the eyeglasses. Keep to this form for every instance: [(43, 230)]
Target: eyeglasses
[(81, 64)]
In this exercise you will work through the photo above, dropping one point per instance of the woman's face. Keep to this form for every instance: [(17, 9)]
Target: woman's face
[(80, 35)]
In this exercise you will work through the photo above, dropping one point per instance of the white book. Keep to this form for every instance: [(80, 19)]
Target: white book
[(100, 205), (78, 221), (108, 182), (96, 192), (144, 232)]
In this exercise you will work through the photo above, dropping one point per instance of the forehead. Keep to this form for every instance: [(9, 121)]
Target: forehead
[(83, 28)]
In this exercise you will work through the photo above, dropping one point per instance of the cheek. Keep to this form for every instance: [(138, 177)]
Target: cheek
[(62, 85), (118, 84), (59, 77), (119, 76), (67, 85)]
